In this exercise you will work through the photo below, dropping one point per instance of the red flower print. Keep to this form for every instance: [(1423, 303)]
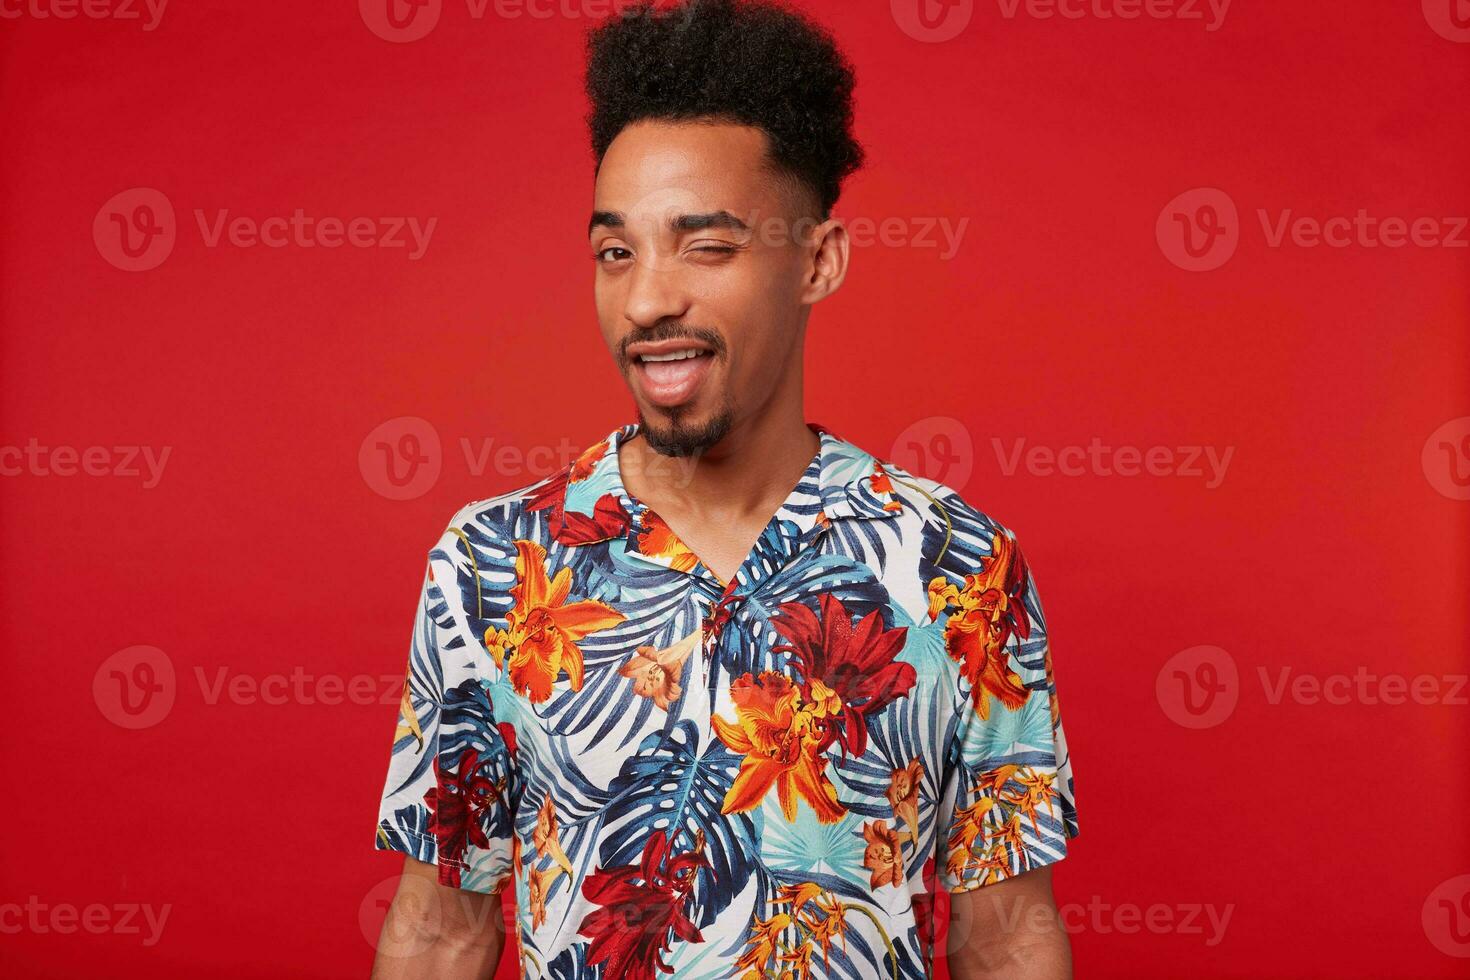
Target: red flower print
[(849, 667), (640, 905), (457, 801)]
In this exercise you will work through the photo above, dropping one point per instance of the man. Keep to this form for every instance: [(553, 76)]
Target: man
[(728, 697)]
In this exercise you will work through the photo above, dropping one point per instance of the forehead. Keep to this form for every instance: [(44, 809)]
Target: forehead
[(654, 166)]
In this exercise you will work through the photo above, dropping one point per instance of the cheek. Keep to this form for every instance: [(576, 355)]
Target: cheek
[(609, 315)]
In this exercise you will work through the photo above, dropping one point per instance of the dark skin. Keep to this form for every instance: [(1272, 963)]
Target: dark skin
[(700, 248), (665, 270)]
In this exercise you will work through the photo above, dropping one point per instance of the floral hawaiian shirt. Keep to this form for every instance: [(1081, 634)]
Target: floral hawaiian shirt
[(766, 777)]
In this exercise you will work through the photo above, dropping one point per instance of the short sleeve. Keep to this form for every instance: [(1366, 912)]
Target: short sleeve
[(1006, 802), (448, 799)]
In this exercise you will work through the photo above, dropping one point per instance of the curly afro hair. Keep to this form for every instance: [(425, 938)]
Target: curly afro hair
[(745, 61)]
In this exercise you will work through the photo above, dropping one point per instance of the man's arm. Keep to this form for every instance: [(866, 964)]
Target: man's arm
[(433, 930), (1010, 929)]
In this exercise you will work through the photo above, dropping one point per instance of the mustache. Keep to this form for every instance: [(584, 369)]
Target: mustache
[(673, 330)]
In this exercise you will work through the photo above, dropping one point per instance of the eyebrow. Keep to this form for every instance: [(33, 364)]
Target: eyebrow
[(681, 222)]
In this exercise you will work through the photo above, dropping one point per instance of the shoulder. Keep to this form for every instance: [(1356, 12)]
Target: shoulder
[(503, 511), (954, 532), (551, 510)]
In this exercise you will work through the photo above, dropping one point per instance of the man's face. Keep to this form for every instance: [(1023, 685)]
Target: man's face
[(702, 273)]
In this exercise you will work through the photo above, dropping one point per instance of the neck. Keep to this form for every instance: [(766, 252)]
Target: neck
[(750, 471)]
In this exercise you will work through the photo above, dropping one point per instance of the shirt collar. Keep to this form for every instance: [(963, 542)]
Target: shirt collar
[(843, 480)]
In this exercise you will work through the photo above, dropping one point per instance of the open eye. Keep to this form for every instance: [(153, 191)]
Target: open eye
[(613, 253)]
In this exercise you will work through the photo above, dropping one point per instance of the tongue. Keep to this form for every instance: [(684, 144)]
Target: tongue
[(670, 373)]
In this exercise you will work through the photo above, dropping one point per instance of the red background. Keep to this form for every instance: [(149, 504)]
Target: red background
[(264, 547)]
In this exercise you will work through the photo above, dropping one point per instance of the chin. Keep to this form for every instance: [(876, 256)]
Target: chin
[(678, 432)]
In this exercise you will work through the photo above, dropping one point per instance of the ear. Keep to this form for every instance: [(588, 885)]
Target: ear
[(827, 246)]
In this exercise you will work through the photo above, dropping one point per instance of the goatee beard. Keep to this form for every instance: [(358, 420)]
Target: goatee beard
[(681, 440)]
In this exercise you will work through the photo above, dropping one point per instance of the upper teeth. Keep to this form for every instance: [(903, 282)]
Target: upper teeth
[(677, 355)]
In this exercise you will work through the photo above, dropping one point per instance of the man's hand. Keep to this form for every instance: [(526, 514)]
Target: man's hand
[(433, 930), (1010, 929)]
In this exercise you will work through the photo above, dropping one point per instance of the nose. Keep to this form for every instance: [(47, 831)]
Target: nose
[(655, 292)]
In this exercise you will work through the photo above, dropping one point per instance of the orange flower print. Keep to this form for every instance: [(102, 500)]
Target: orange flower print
[(655, 673), (546, 838), (968, 827), (800, 959), (1035, 790), (819, 913), (781, 738), (903, 795), (991, 781), (797, 895), (987, 835), (584, 465), (847, 673), (657, 539), (540, 640), (884, 488), (994, 867), (764, 935), (883, 856), (539, 883), (1006, 840), (830, 926), (982, 617)]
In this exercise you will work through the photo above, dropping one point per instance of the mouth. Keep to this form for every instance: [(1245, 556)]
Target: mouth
[(669, 373)]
